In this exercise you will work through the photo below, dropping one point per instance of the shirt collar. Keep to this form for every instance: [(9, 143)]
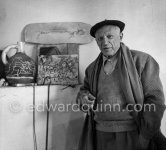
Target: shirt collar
[(110, 59)]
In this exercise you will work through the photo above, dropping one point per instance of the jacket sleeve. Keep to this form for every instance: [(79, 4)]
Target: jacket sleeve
[(85, 87), (153, 108)]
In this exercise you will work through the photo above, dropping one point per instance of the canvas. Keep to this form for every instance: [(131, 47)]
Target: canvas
[(58, 69)]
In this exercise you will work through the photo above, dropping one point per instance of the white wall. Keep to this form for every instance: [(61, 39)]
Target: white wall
[(16, 118), (145, 24)]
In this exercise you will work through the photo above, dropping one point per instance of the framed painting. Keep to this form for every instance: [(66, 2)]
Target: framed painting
[(58, 69)]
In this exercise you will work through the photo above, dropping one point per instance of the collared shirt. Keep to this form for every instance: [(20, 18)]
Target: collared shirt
[(111, 63), (110, 59)]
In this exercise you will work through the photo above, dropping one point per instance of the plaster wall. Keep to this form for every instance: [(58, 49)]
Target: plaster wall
[(145, 25)]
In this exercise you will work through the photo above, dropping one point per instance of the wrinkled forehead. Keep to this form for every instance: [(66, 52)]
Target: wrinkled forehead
[(115, 30)]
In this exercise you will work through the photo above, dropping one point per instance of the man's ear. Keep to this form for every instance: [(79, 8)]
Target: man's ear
[(121, 36)]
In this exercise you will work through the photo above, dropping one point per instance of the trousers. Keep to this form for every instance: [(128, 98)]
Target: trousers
[(116, 140)]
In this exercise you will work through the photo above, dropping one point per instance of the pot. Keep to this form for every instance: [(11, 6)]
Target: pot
[(20, 68)]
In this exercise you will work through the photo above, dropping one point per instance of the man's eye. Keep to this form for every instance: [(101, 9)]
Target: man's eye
[(109, 36), (100, 38)]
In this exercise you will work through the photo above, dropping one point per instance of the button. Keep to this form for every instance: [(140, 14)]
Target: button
[(109, 60)]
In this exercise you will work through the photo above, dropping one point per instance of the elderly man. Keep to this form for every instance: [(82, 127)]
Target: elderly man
[(120, 83)]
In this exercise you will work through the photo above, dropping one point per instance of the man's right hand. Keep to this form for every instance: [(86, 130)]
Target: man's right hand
[(85, 100)]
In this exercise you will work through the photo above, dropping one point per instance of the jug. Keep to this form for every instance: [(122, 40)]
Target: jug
[(20, 68)]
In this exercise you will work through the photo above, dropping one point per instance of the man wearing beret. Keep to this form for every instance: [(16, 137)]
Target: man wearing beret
[(119, 84)]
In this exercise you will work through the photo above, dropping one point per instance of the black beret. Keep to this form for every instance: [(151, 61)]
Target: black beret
[(97, 26)]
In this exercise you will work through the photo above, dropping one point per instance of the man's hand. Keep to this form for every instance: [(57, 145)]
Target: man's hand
[(85, 100)]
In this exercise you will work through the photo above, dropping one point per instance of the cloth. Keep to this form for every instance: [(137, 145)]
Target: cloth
[(110, 114), (158, 142), (116, 140), (88, 133), (109, 64), (116, 126), (141, 85)]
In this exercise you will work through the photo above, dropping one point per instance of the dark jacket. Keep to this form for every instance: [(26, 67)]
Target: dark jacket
[(149, 82)]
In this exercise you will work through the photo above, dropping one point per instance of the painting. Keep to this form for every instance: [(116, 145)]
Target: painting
[(58, 69)]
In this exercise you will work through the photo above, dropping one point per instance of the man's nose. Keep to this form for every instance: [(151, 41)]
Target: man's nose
[(105, 41)]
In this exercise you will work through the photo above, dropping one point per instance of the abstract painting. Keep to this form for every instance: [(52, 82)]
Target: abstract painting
[(58, 69)]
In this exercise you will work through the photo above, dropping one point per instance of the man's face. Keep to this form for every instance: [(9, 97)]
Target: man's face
[(108, 39)]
